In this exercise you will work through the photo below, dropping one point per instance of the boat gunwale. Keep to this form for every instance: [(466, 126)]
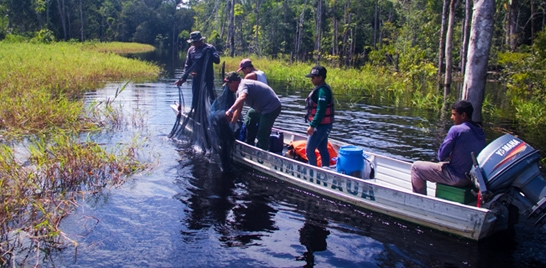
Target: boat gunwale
[(481, 228)]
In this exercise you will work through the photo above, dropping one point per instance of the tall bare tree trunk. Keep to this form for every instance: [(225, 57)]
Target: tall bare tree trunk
[(375, 23), (441, 49), (257, 30), (449, 48), (466, 30), (478, 54), (47, 14), (81, 20), (543, 15), (299, 31), (346, 32), (318, 31), (335, 45), (60, 5), (532, 20), (511, 25), (231, 28)]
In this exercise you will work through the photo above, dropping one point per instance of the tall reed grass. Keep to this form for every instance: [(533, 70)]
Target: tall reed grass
[(37, 192), (352, 85), (41, 84), (41, 87)]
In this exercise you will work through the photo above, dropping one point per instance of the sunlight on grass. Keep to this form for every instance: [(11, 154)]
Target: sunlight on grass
[(44, 167), (42, 84)]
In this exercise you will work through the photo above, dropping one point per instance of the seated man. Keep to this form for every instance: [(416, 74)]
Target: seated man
[(454, 154), (264, 104)]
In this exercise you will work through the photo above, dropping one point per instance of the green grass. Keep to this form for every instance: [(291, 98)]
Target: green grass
[(42, 114), (37, 194), (41, 84), (352, 85)]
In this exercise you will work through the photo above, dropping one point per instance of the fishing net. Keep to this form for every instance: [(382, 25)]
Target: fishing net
[(222, 132), (206, 123)]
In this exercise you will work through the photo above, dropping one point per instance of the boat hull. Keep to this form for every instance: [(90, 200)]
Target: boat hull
[(383, 194), (389, 192)]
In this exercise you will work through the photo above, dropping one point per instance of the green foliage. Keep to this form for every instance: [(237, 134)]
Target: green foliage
[(427, 100), (530, 114), (38, 194), (40, 82), (44, 36), (184, 35), (386, 56), (489, 108), (524, 74), (14, 38), (40, 88)]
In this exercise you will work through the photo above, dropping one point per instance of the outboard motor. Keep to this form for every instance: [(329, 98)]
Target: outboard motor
[(508, 174)]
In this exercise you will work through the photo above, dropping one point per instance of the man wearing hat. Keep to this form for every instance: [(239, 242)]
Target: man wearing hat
[(250, 72), (198, 63), (320, 115), (264, 104)]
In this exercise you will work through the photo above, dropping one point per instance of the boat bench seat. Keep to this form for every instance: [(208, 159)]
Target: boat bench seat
[(463, 195)]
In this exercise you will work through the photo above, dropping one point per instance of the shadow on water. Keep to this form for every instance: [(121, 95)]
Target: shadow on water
[(313, 236), (214, 199), (390, 242)]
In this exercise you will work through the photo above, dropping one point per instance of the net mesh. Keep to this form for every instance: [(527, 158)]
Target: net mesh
[(205, 121)]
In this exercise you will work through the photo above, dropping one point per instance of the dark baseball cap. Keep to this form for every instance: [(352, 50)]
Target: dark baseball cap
[(232, 76), (244, 63), (317, 71)]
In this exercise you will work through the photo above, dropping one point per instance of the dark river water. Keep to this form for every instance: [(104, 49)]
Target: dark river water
[(183, 212)]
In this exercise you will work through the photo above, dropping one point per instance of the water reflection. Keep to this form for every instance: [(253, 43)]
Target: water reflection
[(206, 191), (313, 236), (241, 215)]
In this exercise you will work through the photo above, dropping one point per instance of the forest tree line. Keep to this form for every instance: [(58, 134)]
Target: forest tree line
[(343, 32)]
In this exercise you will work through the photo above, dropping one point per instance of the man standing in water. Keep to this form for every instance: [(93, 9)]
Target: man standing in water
[(463, 138), (250, 72), (320, 115), (199, 59), (262, 101)]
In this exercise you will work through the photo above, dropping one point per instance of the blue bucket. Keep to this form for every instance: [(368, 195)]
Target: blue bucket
[(350, 160)]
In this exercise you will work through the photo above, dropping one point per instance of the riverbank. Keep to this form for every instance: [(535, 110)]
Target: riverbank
[(45, 167), (353, 84), (42, 83), (378, 85)]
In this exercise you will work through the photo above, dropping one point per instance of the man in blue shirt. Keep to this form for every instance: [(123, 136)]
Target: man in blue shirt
[(463, 138)]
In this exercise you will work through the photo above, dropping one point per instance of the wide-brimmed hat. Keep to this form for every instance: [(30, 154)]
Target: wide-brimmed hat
[(317, 71), (230, 77), (244, 63), (195, 37)]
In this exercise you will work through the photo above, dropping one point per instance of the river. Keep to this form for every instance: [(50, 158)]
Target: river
[(183, 212)]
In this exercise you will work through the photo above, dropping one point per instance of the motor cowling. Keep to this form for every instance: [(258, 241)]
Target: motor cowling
[(510, 166)]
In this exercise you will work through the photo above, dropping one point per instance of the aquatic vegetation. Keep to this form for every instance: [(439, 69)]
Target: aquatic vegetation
[(354, 84), (530, 113), (373, 83), (43, 187), (44, 167), (42, 83), (117, 47)]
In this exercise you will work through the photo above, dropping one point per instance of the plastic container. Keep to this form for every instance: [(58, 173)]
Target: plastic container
[(276, 142), (350, 161), (462, 195)]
